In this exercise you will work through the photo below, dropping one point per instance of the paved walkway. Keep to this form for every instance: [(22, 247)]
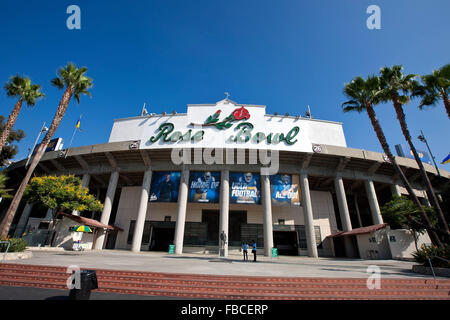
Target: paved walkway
[(284, 266)]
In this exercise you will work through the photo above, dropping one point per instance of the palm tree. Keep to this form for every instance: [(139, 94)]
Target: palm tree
[(364, 95), (435, 86), (23, 89), (76, 84), (395, 87)]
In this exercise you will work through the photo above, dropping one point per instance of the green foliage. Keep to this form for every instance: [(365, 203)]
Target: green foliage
[(9, 150), (402, 213), (393, 82), (71, 76), (17, 245), (4, 193), (431, 252), (361, 92), (433, 87), (21, 87), (63, 193)]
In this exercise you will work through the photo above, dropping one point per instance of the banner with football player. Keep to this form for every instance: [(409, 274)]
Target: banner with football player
[(204, 187), (164, 187), (245, 188), (285, 190)]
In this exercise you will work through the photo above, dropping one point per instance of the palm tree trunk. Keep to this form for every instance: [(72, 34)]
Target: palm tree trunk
[(382, 138), (446, 103), (10, 123), (430, 192), (7, 220)]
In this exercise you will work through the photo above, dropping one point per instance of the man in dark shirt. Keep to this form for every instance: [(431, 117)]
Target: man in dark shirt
[(166, 189)]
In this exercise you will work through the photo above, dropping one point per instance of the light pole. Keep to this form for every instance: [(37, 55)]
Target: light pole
[(43, 129), (423, 139)]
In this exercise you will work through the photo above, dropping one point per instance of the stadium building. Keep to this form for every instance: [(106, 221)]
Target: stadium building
[(286, 182)]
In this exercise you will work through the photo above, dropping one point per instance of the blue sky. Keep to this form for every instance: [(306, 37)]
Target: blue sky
[(283, 54)]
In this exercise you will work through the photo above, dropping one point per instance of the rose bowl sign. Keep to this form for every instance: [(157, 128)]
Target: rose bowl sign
[(227, 125), (167, 132)]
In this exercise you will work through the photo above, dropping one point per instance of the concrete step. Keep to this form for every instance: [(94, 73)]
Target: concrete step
[(228, 287), (181, 276), (130, 280), (307, 295)]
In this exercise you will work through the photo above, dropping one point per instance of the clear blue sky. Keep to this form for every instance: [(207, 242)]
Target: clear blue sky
[(283, 54)]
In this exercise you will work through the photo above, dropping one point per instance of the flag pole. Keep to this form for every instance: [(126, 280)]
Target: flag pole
[(71, 140)]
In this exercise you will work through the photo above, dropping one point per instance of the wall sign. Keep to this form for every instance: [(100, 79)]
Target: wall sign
[(245, 188), (164, 186), (285, 190), (167, 134), (204, 187)]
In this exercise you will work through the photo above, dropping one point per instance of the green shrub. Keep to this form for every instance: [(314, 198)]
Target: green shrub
[(17, 245), (422, 255)]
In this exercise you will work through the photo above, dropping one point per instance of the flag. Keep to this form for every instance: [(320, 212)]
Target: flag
[(78, 123), (446, 159)]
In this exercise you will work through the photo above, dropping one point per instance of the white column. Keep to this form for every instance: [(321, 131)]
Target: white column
[(395, 190), (308, 216), (23, 219), (358, 214), (181, 215), (142, 212), (224, 206), (345, 215), (106, 213), (342, 203), (85, 184), (373, 202), (267, 211)]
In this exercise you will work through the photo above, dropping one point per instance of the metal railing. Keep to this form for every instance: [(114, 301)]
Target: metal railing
[(7, 248), (431, 266)]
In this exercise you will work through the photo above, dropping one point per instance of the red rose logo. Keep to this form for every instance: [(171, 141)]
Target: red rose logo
[(241, 113)]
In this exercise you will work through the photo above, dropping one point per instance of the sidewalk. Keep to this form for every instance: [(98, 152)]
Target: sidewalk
[(283, 266)]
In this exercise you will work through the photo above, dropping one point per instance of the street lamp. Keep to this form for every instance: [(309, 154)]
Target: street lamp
[(423, 139), (43, 129)]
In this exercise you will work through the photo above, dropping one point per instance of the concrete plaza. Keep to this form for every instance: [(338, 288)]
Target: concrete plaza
[(283, 266)]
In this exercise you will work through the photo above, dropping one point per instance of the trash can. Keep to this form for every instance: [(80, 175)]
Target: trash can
[(88, 282)]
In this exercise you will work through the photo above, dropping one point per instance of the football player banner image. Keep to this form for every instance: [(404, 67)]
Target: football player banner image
[(164, 186), (245, 188), (204, 187), (285, 190)]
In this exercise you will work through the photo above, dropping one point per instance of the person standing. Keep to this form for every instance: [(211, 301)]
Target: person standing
[(254, 250), (244, 250)]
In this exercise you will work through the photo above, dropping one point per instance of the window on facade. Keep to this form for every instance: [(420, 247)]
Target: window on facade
[(167, 218), (281, 221)]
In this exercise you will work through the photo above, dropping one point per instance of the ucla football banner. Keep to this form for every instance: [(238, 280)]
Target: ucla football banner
[(285, 190), (164, 187), (245, 188), (204, 187)]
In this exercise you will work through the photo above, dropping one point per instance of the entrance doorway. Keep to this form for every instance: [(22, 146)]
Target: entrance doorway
[(286, 242), (162, 237), (235, 221)]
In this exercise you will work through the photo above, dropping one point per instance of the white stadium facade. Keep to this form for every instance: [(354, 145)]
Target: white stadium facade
[(285, 182)]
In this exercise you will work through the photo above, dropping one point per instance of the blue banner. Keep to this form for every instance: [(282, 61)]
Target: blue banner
[(245, 188), (204, 187), (285, 190), (164, 187)]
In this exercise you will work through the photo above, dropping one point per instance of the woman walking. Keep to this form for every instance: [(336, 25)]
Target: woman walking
[(244, 250)]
